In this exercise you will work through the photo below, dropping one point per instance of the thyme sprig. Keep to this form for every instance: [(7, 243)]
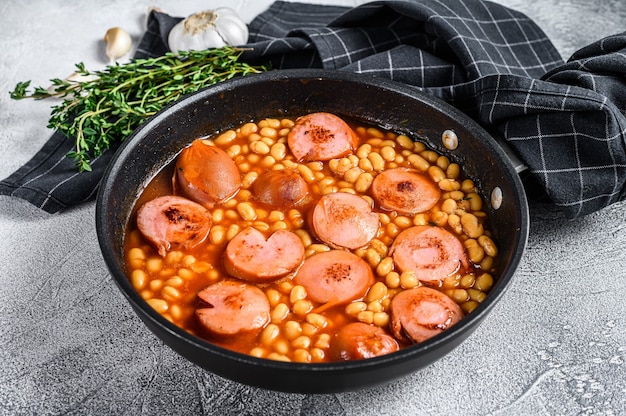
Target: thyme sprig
[(104, 106)]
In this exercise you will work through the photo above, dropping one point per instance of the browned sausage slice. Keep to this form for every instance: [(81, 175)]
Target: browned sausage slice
[(422, 313), (321, 136), (431, 252), (253, 257), (206, 174), (280, 189), (335, 277), (170, 221), (404, 190), (344, 220), (358, 340), (232, 308)]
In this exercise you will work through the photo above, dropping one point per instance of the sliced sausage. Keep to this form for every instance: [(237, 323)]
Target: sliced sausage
[(359, 340), (321, 136), (173, 221), (344, 220), (280, 189), (335, 277), (253, 257), (405, 190), (422, 313), (431, 252), (206, 174), (231, 308)]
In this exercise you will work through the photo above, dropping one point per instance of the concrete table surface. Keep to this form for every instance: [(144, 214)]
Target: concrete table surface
[(70, 344)]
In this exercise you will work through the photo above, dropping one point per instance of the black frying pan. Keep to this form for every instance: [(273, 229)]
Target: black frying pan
[(376, 101)]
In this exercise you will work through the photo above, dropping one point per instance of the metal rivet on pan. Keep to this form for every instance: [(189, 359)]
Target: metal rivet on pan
[(450, 139), (496, 197)]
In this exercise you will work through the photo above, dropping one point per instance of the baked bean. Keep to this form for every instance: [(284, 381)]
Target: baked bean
[(302, 342), (453, 171), (366, 317), (246, 211), (471, 226), (302, 307), (458, 295), (384, 267), (306, 173), (279, 313), (477, 295), (392, 280), (418, 162), (317, 354), (297, 293), (487, 263), (404, 141), (443, 162), (354, 308), (449, 206), (430, 155), (380, 319), (467, 281), (474, 251), (299, 329), (323, 341), (377, 161), (365, 164), (278, 151), (274, 296), (269, 334), (469, 306), (225, 138), (377, 292), (292, 329), (301, 356), (317, 320), (484, 282), (488, 245), (248, 129), (374, 132), (158, 305), (138, 279), (408, 279), (154, 264), (175, 281), (467, 185)]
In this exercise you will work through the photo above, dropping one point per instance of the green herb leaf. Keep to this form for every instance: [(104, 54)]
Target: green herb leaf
[(98, 112)]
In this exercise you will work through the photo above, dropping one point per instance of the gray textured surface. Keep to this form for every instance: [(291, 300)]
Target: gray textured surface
[(69, 343)]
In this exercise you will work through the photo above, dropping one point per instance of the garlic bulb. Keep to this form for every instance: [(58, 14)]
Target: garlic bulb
[(118, 43), (208, 29)]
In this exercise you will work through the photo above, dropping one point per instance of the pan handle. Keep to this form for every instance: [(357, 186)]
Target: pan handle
[(515, 160)]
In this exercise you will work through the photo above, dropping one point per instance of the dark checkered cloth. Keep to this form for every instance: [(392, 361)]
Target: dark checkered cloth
[(566, 121)]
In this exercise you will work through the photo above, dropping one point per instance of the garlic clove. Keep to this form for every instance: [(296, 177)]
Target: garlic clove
[(118, 43), (233, 30)]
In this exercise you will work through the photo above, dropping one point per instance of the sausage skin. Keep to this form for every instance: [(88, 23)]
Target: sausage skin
[(422, 313), (280, 189), (321, 136), (431, 252), (359, 340), (253, 257), (404, 190), (344, 220), (170, 221), (232, 308), (206, 174), (335, 277)]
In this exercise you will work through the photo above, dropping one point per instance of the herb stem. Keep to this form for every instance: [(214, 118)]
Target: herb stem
[(97, 112)]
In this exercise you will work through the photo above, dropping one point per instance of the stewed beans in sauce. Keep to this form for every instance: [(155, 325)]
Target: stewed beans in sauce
[(311, 240)]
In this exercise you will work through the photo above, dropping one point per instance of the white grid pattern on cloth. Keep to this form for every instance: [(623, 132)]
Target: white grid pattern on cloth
[(566, 121)]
